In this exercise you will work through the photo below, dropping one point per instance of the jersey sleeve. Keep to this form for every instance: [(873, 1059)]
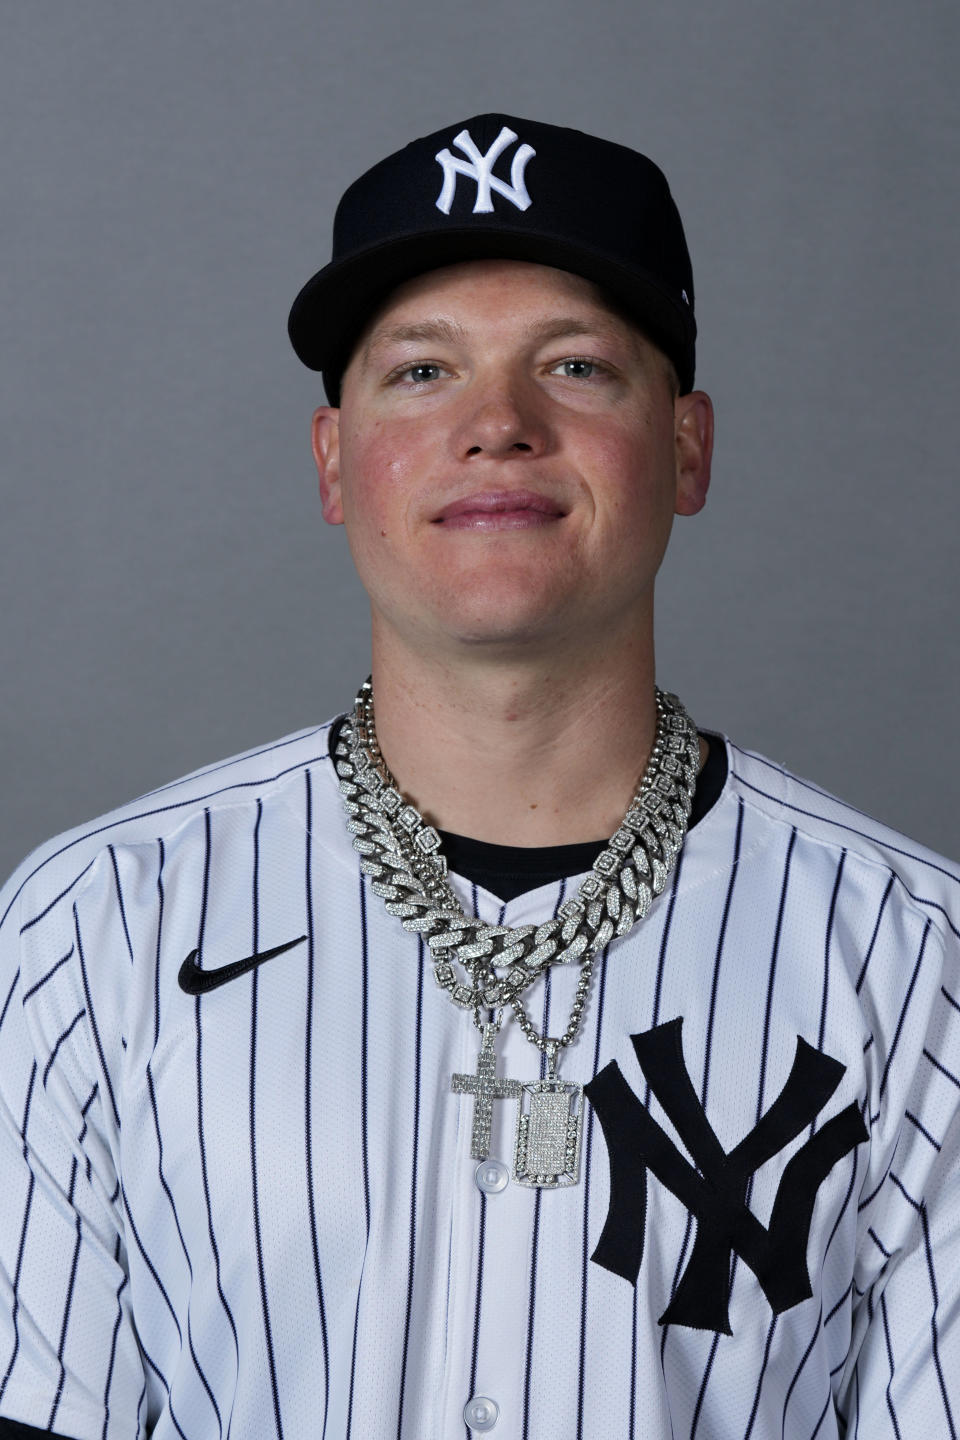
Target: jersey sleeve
[(69, 1359), (902, 1376)]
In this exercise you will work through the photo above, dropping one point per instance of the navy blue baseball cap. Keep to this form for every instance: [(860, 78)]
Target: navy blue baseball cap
[(498, 187)]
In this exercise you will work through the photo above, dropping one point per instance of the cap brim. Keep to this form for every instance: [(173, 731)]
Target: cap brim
[(329, 313)]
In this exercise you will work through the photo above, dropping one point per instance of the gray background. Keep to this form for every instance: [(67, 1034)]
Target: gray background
[(169, 593)]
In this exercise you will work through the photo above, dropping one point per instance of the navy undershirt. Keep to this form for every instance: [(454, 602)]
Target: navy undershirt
[(509, 870)]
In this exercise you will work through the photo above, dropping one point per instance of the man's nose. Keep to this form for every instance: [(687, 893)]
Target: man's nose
[(503, 417)]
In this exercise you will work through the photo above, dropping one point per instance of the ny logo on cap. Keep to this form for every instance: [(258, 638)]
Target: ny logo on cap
[(479, 168)]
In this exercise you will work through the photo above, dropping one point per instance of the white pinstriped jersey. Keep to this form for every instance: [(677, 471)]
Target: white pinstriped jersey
[(253, 1213)]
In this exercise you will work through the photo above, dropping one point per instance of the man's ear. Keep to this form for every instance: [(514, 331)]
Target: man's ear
[(693, 430), (326, 455)]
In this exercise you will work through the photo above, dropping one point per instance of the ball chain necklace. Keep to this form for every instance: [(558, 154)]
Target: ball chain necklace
[(489, 967)]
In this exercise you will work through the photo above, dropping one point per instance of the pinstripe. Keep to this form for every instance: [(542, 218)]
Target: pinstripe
[(715, 981), (156, 968), (163, 1381), (800, 1368), (701, 1394), (68, 1304), (942, 1068), (65, 1035), (23, 1236), (879, 1244), (93, 1019), (364, 1137), (837, 1307), (6, 1004), (535, 1245), (823, 1413), (113, 1356), (843, 1208), (588, 1144), (662, 957), (934, 1332), (876, 931), (949, 998), (909, 1115), (120, 905), (655, 1020), (760, 1378), (771, 978), (537, 1199), (906, 1006), (83, 1132), (886, 1333), (29, 994), (478, 1301), (826, 959), (52, 905), (308, 1087), (411, 1270), (186, 1254), (149, 1263), (258, 1235), (869, 1199), (208, 847)]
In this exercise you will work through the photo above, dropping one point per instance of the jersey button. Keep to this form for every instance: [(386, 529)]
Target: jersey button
[(481, 1413), (492, 1176)]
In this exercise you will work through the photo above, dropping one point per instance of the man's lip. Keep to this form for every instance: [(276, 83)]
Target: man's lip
[(500, 502)]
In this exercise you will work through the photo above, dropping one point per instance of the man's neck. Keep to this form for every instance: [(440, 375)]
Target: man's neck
[(531, 754)]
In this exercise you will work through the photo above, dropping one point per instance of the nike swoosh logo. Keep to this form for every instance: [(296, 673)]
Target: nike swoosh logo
[(197, 982)]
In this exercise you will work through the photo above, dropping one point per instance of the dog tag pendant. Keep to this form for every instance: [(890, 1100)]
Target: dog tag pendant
[(549, 1129)]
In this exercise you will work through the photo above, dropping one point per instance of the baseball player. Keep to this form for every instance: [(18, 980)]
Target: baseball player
[(508, 1056)]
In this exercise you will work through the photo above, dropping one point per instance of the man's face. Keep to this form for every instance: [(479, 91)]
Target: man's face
[(507, 459)]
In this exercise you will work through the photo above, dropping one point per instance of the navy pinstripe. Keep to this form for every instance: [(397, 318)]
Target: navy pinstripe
[(826, 957), (364, 1133), (588, 1146), (308, 1100), (537, 1200), (201, 1140), (415, 1161), (903, 1013), (257, 1231), (23, 1238)]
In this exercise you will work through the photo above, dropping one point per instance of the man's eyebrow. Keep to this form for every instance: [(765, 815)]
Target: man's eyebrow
[(424, 330), (447, 331), (562, 325)]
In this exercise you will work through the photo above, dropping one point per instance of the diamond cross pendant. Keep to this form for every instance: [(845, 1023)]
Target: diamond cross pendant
[(485, 1087)]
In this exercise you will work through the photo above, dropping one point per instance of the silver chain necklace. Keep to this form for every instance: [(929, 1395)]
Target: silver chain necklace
[(488, 967)]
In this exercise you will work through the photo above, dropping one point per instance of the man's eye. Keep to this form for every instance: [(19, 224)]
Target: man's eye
[(577, 368), (420, 374)]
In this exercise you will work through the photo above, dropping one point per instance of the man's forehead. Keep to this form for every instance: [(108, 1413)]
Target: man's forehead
[(545, 303)]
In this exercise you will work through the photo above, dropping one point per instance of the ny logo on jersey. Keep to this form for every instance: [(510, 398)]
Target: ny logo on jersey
[(714, 1188), (479, 168)]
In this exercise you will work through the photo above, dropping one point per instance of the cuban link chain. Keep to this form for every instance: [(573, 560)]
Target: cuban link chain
[(488, 967)]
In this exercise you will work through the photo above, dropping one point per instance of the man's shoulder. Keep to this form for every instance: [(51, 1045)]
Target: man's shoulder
[(924, 877), (239, 780)]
